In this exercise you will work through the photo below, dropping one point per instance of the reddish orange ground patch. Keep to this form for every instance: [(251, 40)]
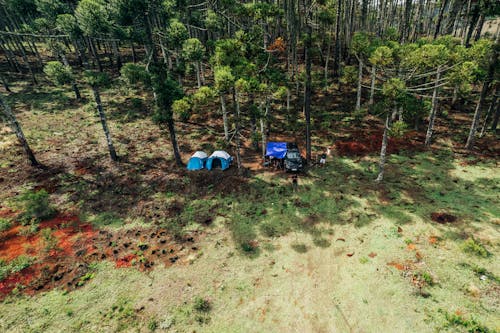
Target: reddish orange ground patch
[(126, 261), (78, 245), (411, 247), (433, 239), (396, 265), (362, 144)]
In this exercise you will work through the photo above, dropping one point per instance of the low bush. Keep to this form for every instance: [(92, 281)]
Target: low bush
[(5, 224), (16, 265), (201, 304), (36, 207), (475, 247)]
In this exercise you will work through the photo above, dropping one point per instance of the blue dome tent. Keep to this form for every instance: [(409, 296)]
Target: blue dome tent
[(197, 161), (219, 158)]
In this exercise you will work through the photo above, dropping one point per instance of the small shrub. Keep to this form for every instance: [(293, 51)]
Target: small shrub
[(5, 224), (107, 219), (274, 228), (201, 304), (16, 265), (244, 234), (28, 230), (152, 325), (36, 207), (299, 247), (471, 325), (50, 242), (475, 247)]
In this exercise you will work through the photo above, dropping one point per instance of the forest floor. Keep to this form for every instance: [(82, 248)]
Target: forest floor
[(140, 245)]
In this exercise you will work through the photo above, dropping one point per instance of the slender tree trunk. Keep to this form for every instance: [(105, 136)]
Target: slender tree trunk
[(440, 18), (73, 83), (308, 88), (494, 123), (134, 55), (173, 140), (360, 78), (455, 9), (336, 59), (237, 127), (372, 85), (490, 110), (95, 54), (479, 27), (224, 116), (16, 127), (383, 149), (432, 116), (102, 116), (4, 82), (117, 54), (486, 84), (198, 77), (25, 59), (472, 23)]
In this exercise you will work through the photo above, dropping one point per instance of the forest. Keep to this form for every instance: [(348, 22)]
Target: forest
[(392, 224)]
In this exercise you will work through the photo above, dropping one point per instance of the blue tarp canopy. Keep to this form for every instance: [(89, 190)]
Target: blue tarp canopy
[(276, 149)]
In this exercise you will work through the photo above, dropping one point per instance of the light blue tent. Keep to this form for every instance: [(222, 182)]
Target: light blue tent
[(197, 161), (219, 158)]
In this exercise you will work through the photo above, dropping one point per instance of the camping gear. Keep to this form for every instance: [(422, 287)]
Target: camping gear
[(197, 161), (287, 153), (276, 149), (219, 158)]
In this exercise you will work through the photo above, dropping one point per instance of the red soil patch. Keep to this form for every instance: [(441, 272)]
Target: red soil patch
[(411, 247), (433, 239), (12, 245), (78, 245), (443, 218), (126, 261), (23, 277), (362, 144), (398, 266)]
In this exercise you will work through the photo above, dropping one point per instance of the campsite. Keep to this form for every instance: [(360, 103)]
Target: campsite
[(249, 166)]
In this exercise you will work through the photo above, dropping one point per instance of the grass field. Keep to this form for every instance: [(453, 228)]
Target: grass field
[(417, 253)]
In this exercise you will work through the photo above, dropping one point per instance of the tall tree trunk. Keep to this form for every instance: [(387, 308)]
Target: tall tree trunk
[(4, 82), (492, 107), (453, 15), (16, 127), (198, 76), (25, 59), (472, 23), (134, 55), (95, 53), (494, 123), (237, 127), (383, 149), (372, 85), (406, 21), (102, 116), (307, 92), (224, 116), (336, 59), (73, 83), (440, 18), (432, 116), (486, 84), (173, 140), (360, 78)]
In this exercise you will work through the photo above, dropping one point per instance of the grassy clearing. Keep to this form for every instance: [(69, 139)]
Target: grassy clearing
[(340, 254), (279, 258)]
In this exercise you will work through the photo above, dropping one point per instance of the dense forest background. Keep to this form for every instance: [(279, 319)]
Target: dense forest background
[(262, 59)]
